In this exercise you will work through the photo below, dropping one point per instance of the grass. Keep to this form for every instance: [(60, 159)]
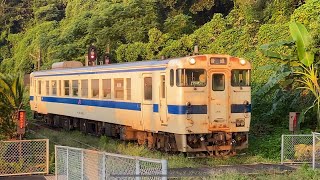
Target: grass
[(304, 172), (262, 149), (107, 144)]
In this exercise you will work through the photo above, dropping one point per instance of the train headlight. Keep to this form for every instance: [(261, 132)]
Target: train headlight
[(192, 61), (240, 123), (242, 61)]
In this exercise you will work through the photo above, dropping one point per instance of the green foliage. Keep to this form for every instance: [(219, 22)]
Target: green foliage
[(132, 52), (11, 99), (178, 25), (303, 40)]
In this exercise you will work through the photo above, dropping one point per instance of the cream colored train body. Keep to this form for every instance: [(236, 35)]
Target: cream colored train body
[(198, 103)]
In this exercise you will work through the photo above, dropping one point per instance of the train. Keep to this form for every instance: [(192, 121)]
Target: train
[(199, 104)]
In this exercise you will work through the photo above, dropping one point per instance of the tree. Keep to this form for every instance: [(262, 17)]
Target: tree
[(297, 71), (11, 98)]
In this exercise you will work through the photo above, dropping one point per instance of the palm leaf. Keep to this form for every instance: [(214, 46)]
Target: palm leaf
[(302, 39)]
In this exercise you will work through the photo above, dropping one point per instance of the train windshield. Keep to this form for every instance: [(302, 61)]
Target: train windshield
[(240, 77), (191, 78)]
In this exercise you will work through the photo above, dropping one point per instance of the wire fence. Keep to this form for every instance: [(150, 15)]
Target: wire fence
[(301, 148), (296, 148), (24, 157), (83, 164)]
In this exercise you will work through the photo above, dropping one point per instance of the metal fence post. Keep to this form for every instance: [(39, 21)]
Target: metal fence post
[(103, 166), (282, 146), (55, 163), (164, 170), (105, 156), (313, 151), (82, 159), (47, 149), (67, 163), (137, 169)]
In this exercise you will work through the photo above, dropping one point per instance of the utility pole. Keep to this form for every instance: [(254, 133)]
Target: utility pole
[(39, 59)]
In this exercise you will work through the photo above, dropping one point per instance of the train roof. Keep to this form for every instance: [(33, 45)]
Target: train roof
[(104, 68)]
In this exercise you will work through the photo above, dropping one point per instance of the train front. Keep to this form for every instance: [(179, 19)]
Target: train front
[(217, 96)]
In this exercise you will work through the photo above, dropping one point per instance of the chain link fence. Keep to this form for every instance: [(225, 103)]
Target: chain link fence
[(296, 148), (24, 157), (83, 164)]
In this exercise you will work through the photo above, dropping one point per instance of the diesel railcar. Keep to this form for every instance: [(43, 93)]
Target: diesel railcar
[(199, 103)]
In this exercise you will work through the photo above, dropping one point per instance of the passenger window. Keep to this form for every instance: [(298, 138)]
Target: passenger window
[(95, 88), (106, 87), (75, 89), (118, 89), (240, 77), (84, 88), (66, 87), (148, 88), (47, 88), (39, 87), (128, 88), (171, 77), (163, 86), (218, 82), (35, 87), (54, 87)]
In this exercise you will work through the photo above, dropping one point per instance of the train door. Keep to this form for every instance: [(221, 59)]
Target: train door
[(163, 100), (219, 98), (37, 93), (147, 105)]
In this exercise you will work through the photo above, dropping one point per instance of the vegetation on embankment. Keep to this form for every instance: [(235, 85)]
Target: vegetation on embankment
[(261, 150), (12, 94)]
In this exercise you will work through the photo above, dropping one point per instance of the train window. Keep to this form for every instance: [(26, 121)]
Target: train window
[(95, 88), (47, 88), (35, 86), (54, 87), (191, 78), (163, 86), (118, 89), (148, 88), (106, 87), (128, 88), (66, 87), (84, 88), (171, 77), (39, 87), (218, 82), (240, 77), (75, 88)]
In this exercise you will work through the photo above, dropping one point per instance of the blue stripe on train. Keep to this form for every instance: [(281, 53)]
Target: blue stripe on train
[(97, 103), (172, 109), (155, 108), (240, 108), (195, 109)]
